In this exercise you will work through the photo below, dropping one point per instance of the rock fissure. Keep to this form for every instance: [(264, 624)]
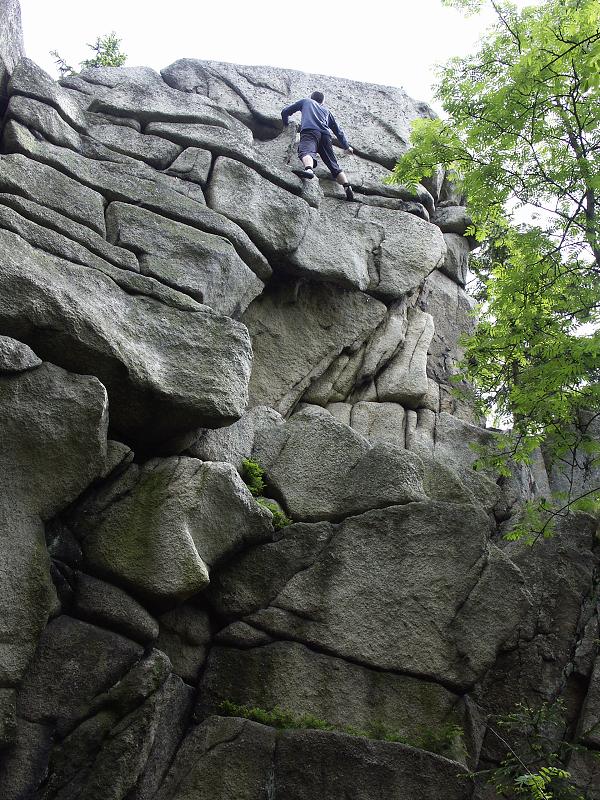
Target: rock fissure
[(316, 648)]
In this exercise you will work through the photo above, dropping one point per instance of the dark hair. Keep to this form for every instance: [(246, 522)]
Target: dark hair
[(318, 96)]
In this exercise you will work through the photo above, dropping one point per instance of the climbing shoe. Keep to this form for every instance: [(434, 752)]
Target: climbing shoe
[(349, 192), (306, 173)]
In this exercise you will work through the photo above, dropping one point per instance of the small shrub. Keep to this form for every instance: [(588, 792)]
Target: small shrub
[(253, 476), (533, 765), (107, 53), (280, 518)]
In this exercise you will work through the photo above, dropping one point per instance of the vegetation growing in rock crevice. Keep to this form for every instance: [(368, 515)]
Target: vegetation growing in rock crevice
[(445, 740), (253, 475), (280, 518), (522, 138)]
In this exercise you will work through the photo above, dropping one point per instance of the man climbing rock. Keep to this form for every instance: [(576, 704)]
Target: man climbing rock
[(315, 138)]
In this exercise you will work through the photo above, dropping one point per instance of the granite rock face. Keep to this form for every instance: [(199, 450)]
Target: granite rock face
[(53, 445), (376, 118), (11, 42), (177, 305)]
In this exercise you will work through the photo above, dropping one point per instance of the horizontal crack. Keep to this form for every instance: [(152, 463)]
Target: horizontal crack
[(325, 651)]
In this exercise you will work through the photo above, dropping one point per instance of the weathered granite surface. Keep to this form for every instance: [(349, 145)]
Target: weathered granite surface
[(174, 301), (11, 42)]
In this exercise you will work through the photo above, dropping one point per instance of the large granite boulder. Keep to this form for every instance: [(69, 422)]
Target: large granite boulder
[(158, 529), (411, 248), (230, 757), (338, 247), (52, 445), (424, 601), (145, 352), (291, 676), (275, 219), (202, 265), (324, 470), (376, 119), (297, 331), (404, 379), (63, 415)]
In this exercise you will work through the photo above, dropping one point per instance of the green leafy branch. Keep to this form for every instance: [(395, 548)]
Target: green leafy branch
[(521, 140), (533, 765)]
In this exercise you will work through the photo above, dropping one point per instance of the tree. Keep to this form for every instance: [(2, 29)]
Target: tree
[(522, 139), (107, 51), (535, 752)]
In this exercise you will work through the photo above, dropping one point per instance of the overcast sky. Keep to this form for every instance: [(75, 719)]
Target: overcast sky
[(391, 43)]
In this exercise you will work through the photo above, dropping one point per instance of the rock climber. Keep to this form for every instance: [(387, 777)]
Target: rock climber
[(315, 138)]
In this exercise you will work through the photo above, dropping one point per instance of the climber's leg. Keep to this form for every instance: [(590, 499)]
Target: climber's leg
[(307, 151), (325, 150), (343, 180)]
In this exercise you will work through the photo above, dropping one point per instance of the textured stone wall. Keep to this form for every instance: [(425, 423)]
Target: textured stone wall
[(175, 299), (11, 43)]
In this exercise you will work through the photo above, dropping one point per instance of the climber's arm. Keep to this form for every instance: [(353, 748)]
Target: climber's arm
[(332, 124), (288, 110)]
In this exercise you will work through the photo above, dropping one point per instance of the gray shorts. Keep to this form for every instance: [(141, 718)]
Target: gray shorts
[(313, 143)]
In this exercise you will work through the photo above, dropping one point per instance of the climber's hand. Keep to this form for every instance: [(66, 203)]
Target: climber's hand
[(348, 151)]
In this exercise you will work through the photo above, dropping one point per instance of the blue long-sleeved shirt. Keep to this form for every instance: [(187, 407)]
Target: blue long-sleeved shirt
[(315, 117)]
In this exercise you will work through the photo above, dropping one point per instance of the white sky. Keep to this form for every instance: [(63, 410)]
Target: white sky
[(380, 41)]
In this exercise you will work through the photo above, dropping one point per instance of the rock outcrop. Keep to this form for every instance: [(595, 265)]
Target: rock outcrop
[(175, 300), (11, 43)]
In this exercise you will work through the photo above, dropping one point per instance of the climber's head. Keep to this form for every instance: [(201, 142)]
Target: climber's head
[(318, 96)]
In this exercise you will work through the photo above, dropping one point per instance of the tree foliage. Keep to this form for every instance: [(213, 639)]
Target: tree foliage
[(535, 753), (107, 53), (522, 140)]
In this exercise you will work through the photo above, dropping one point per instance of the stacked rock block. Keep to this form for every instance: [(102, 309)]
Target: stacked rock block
[(175, 300)]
